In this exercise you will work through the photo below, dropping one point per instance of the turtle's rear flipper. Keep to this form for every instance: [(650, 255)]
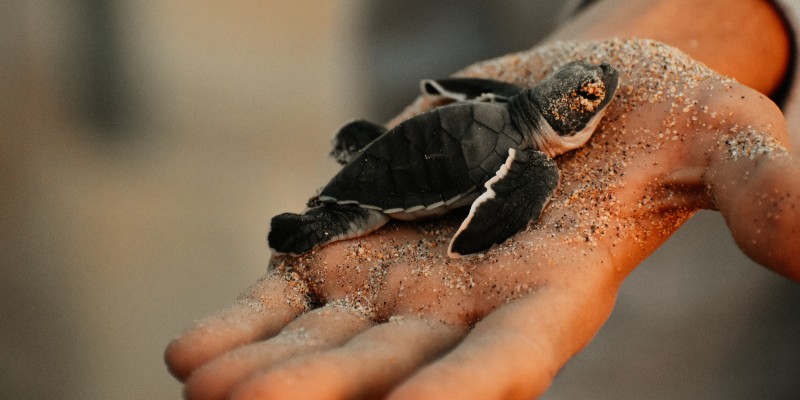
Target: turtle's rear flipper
[(352, 138), (514, 196), (298, 233), (462, 89)]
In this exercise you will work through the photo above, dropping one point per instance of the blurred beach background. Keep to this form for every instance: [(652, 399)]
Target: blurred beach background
[(144, 146)]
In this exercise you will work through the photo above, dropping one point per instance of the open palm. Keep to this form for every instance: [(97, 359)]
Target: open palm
[(391, 315)]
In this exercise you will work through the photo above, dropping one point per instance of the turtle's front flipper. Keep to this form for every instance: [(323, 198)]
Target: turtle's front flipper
[(462, 89), (515, 195), (353, 137), (298, 233)]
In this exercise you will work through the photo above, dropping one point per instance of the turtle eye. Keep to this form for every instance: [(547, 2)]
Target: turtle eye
[(588, 94), (592, 90)]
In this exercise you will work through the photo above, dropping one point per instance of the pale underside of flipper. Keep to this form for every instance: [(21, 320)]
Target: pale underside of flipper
[(516, 195)]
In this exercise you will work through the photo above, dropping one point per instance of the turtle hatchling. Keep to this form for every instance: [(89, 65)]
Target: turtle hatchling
[(491, 148)]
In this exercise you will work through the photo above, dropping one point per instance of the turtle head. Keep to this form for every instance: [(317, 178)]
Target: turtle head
[(573, 100)]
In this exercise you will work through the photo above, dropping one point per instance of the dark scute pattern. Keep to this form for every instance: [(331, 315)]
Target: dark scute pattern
[(457, 119), (490, 116), (427, 159)]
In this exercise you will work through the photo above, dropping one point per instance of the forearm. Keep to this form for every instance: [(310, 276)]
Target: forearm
[(745, 39)]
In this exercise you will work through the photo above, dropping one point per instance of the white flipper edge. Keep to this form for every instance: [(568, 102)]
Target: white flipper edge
[(486, 196)]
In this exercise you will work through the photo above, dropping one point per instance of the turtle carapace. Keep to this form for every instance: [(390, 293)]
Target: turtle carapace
[(491, 149)]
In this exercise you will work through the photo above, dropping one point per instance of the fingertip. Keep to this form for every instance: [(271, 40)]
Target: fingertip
[(184, 354), (176, 360), (263, 311), (214, 336)]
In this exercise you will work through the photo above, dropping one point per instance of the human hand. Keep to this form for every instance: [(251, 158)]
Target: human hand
[(391, 315)]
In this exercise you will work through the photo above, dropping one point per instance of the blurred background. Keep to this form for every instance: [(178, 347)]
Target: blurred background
[(145, 145)]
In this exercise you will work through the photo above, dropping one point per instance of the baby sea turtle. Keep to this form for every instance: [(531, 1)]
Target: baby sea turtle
[(491, 148)]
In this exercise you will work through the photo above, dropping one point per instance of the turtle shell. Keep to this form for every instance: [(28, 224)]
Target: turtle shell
[(428, 161)]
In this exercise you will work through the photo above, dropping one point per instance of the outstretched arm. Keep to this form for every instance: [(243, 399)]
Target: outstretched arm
[(391, 315), (502, 325)]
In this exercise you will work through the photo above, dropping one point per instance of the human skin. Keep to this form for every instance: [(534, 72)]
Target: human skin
[(391, 315)]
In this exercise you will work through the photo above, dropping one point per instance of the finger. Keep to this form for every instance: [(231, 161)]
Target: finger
[(314, 331), (262, 311), (516, 351), (366, 367)]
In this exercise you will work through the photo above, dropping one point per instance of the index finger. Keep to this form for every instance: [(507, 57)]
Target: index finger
[(262, 311)]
